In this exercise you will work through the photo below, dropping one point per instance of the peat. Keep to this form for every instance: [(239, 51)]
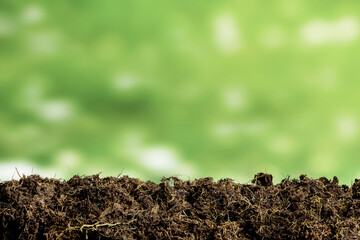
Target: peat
[(128, 208)]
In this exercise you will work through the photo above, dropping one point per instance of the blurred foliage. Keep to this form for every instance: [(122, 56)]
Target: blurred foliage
[(186, 88)]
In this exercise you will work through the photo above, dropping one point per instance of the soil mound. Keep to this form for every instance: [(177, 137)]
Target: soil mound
[(128, 208)]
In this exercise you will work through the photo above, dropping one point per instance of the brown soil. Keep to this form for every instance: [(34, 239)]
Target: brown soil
[(127, 208)]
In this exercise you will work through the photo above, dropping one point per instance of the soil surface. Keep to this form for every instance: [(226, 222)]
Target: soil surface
[(128, 208)]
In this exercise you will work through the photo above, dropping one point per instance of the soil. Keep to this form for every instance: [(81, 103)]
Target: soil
[(128, 208)]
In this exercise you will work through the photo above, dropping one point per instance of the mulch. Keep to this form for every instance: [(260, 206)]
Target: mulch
[(127, 208)]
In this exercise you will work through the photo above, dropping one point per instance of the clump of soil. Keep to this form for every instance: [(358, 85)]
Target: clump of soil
[(128, 208)]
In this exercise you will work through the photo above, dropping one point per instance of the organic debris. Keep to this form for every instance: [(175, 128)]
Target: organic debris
[(128, 208)]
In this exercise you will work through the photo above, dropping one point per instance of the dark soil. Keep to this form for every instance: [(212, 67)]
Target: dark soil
[(128, 208)]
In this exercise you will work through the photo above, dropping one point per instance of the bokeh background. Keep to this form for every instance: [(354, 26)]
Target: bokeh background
[(184, 88)]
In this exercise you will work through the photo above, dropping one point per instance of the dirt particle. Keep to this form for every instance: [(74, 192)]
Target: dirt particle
[(263, 179)]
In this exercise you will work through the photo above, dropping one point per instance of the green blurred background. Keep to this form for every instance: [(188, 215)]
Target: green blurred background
[(184, 88)]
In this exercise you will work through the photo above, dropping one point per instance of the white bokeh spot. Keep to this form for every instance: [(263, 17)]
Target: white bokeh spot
[(68, 158), (126, 81), (159, 159), (320, 32), (163, 160), (56, 110), (346, 127), (33, 14), (233, 99), (225, 130), (226, 34), (44, 43)]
